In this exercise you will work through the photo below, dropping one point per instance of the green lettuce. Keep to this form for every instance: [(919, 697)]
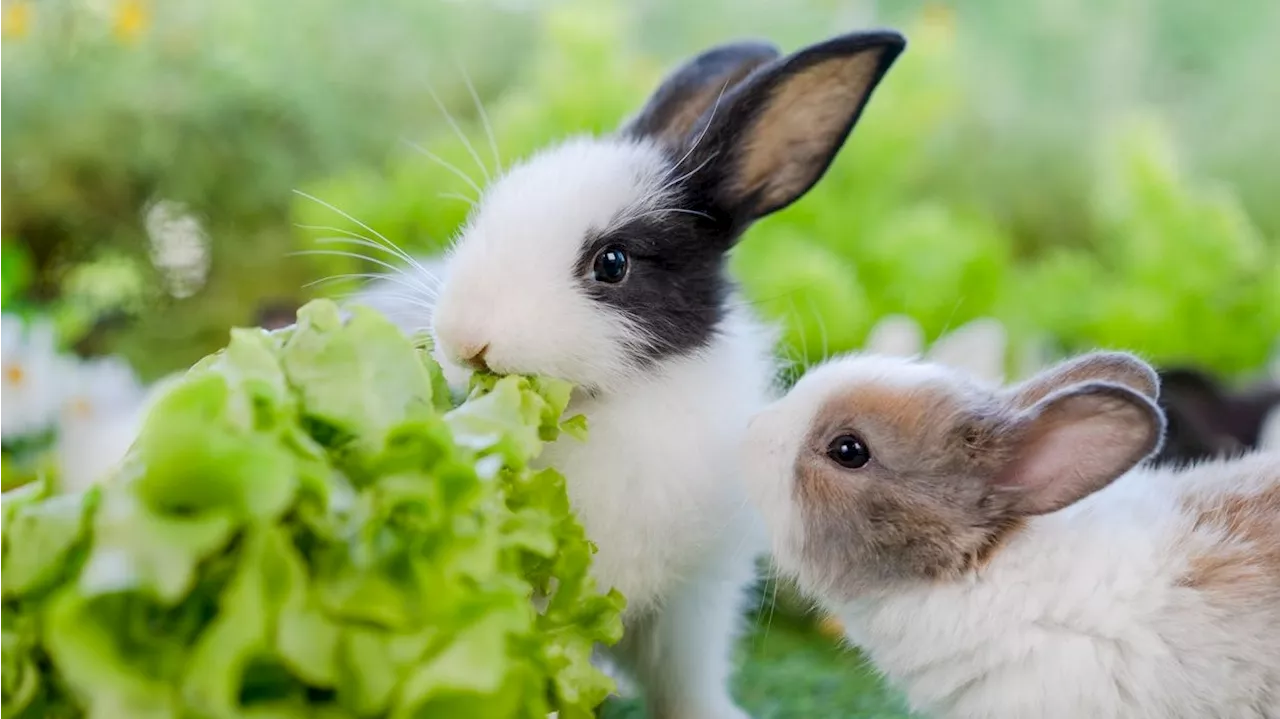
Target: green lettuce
[(306, 527)]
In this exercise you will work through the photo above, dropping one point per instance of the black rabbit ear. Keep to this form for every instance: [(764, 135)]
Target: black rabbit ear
[(774, 136), (688, 93)]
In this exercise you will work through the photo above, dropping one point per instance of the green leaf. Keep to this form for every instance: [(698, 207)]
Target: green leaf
[(39, 535), (362, 377), (301, 531)]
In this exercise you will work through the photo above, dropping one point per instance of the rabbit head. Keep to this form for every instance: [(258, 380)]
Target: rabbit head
[(878, 470), (599, 258)]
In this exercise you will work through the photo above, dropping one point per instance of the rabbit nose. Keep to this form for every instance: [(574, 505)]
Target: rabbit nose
[(472, 355)]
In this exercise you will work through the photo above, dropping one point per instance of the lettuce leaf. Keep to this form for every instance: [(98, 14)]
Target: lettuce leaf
[(307, 526)]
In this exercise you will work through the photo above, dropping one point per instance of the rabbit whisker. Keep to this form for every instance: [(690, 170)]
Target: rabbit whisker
[(672, 183), (457, 196), (412, 301), (358, 239), (446, 165), (484, 118), (680, 210), (418, 290), (822, 328), (423, 278), (471, 150), (358, 256), (389, 244), (703, 133)]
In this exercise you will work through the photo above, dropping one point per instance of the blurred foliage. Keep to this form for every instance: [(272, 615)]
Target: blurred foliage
[(1102, 173), (224, 108)]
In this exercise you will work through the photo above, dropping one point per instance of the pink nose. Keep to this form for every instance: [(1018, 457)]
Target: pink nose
[(472, 355)]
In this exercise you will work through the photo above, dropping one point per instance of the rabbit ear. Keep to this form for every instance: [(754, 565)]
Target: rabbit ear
[(896, 336), (1074, 442), (775, 134), (977, 348), (1118, 368), (694, 88)]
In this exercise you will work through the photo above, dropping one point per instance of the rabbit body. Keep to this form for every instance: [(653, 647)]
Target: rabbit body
[(1002, 553), (657, 491), (655, 485), (1158, 597)]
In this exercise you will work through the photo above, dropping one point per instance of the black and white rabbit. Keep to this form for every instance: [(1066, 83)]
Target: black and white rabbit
[(602, 261)]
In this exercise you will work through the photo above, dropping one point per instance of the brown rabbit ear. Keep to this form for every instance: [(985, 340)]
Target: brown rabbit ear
[(1120, 368), (694, 88), (1074, 442)]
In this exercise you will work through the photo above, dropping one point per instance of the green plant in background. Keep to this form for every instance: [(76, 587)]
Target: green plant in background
[(307, 527), (1179, 271), (218, 110)]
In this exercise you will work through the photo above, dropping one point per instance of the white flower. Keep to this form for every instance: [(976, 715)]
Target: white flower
[(33, 374), (100, 416)]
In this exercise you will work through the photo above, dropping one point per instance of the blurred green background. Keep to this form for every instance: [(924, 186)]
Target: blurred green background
[(1091, 172)]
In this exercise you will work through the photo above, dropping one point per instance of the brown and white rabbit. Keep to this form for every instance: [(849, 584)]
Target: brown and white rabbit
[(1003, 553), (602, 261)]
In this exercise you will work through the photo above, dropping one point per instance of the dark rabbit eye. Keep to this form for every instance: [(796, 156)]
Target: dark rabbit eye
[(848, 451), (611, 265)]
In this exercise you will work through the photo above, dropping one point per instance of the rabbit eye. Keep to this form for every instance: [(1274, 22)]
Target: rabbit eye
[(848, 451), (611, 265)]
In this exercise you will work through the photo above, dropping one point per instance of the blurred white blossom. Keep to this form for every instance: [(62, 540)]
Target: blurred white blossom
[(100, 417), (179, 247), (33, 376), (95, 407)]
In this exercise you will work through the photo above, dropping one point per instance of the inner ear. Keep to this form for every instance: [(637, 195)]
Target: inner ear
[(776, 134), (693, 89), (1075, 442)]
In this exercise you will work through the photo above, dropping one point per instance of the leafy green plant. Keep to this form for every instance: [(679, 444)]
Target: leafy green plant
[(307, 526)]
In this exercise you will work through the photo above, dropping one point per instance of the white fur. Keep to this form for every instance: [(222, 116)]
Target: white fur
[(1080, 615), (656, 483)]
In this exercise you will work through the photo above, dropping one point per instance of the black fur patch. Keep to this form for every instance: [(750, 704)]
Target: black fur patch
[(677, 287)]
